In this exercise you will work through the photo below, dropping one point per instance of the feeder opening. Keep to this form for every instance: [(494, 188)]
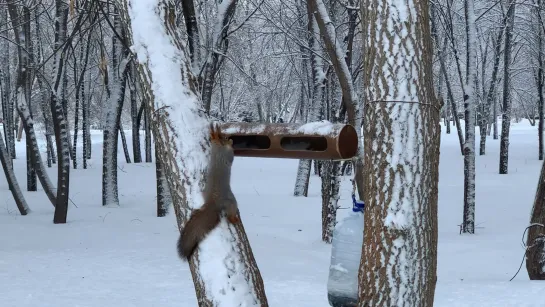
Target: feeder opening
[(250, 141), (304, 143)]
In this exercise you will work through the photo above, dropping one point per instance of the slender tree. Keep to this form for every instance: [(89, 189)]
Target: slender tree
[(506, 114), (470, 104)]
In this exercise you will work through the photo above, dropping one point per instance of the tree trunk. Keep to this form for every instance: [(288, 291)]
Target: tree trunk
[(27, 65), (227, 262), (470, 103), (60, 123), (350, 100), (5, 74), (305, 165), (491, 91), (303, 177), (215, 59), (506, 116), (147, 134), (118, 79), (401, 157), (22, 93), (535, 241), (136, 151), (124, 144), (164, 200), (330, 198), (16, 192), (539, 79), (450, 96)]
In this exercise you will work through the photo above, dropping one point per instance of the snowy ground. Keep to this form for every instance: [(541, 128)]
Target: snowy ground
[(126, 256)]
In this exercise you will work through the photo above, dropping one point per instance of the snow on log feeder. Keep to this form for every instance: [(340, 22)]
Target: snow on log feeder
[(317, 140)]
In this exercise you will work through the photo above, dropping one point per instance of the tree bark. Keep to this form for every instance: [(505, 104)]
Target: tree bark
[(540, 79), (118, 79), (22, 93), (506, 116), (60, 123), (305, 165), (491, 91), (401, 157), (164, 200), (535, 241), (470, 103), (136, 151)]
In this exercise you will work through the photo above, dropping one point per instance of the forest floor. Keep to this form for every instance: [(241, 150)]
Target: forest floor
[(125, 256)]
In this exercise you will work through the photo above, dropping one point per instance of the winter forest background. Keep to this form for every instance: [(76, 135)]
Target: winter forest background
[(79, 115)]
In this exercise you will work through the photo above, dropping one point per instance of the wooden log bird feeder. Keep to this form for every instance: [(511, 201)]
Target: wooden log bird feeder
[(318, 140)]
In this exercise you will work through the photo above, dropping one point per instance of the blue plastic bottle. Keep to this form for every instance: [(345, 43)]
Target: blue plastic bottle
[(346, 249)]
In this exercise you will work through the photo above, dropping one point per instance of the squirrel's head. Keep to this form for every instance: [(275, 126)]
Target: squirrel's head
[(222, 143)]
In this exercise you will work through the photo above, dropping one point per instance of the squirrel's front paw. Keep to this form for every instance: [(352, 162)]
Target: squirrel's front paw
[(233, 219)]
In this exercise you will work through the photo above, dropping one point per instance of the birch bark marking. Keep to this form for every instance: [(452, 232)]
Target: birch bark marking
[(470, 103), (401, 156)]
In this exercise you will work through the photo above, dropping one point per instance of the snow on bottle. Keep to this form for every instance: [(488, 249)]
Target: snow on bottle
[(346, 249)]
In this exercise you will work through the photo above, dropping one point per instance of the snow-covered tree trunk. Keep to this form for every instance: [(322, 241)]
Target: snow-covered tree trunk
[(220, 43), (117, 83), (535, 241), (330, 197), (350, 101), (470, 103), (5, 83), (506, 115), (44, 97), (224, 270), (60, 123), (401, 156), (318, 80), (303, 177), (22, 99), (350, 104)]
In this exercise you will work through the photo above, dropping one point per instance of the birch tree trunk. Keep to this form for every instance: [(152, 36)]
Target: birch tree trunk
[(316, 65), (223, 267), (491, 95), (60, 123), (401, 157), (470, 103), (5, 75), (506, 116), (112, 126), (22, 96), (539, 77)]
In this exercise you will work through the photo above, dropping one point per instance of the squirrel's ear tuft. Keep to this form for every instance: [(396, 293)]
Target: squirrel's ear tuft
[(214, 131)]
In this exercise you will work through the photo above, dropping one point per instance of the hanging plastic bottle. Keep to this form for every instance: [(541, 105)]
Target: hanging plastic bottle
[(346, 249)]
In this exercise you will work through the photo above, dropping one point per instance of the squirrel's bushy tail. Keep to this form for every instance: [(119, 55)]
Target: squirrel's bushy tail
[(201, 222)]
